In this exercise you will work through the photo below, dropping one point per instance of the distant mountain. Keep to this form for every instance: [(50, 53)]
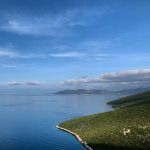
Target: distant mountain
[(94, 91), (84, 91)]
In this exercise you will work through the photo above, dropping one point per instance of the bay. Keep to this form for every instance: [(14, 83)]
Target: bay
[(28, 119)]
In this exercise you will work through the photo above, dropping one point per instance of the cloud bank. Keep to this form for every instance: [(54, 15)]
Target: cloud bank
[(114, 81), (124, 79), (24, 83)]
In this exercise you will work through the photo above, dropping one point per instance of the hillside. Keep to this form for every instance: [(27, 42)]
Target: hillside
[(127, 128), (131, 100)]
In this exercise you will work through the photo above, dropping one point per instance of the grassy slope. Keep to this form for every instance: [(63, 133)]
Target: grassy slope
[(106, 130)]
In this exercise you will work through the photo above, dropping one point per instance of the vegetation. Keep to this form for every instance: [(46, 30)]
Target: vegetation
[(126, 128), (131, 100)]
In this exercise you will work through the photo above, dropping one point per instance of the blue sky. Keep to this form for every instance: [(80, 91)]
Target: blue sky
[(51, 41)]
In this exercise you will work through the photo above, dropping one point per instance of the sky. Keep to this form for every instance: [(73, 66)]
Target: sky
[(75, 43)]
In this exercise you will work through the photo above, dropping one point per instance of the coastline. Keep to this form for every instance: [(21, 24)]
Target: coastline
[(76, 136)]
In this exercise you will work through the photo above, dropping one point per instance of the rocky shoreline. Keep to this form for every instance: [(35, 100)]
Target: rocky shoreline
[(76, 136)]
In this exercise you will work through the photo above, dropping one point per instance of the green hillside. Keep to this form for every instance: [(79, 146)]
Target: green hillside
[(126, 128), (131, 100)]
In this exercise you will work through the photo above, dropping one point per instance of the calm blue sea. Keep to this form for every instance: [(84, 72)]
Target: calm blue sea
[(28, 118)]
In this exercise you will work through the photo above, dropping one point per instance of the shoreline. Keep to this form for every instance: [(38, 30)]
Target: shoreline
[(76, 136)]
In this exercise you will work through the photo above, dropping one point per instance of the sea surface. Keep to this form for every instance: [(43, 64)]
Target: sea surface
[(28, 118)]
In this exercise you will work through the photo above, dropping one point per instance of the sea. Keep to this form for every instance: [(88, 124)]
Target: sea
[(28, 118)]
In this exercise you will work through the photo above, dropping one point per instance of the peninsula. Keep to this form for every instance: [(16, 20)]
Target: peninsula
[(125, 128)]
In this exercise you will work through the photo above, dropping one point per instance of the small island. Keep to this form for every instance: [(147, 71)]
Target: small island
[(125, 128)]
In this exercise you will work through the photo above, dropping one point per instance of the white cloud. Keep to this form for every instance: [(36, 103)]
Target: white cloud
[(127, 76), (6, 53), (124, 79), (86, 55), (34, 26), (14, 54), (13, 65), (67, 54), (24, 83), (113, 80), (11, 53), (51, 25)]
